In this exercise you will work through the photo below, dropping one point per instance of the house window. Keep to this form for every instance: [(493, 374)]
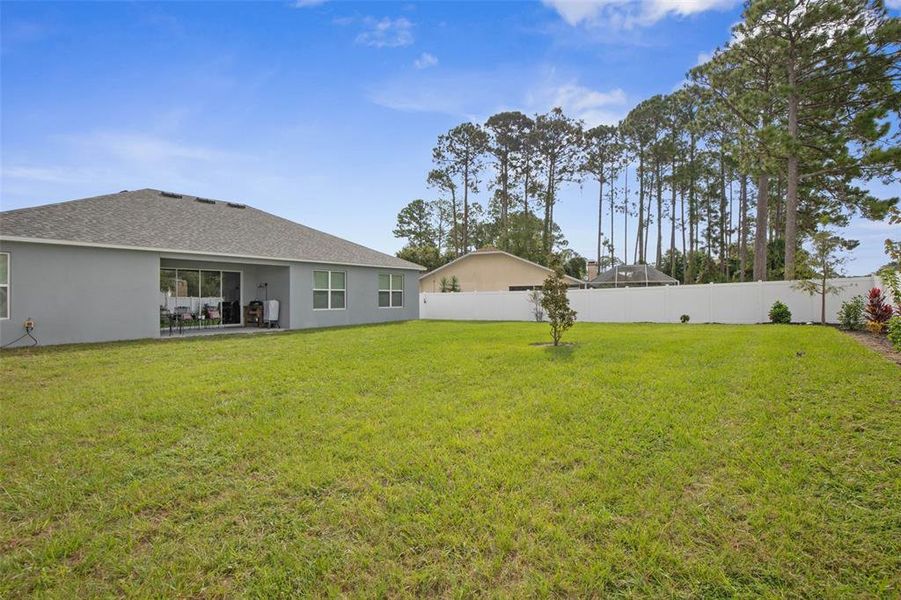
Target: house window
[(329, 290), (391, 290), (4, 285)]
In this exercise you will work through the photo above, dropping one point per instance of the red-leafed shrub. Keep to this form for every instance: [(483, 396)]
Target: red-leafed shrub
[(877, 310)]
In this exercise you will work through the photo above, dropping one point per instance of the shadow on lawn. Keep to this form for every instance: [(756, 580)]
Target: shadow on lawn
[(562, 352)]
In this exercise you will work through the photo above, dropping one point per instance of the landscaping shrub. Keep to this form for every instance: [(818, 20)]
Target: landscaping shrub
[(779, 313), (877, 309), (850, 315), (875, 326), (684, 318), (894, 331)]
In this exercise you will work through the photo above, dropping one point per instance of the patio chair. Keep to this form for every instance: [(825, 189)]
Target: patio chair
[(212, 315), (183, 314)]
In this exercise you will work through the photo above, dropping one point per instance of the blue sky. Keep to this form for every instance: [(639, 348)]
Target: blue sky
[(323, 112)]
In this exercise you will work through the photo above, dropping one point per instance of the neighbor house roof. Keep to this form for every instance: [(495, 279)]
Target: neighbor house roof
[(493, 250), (149, 219), (633, 275)]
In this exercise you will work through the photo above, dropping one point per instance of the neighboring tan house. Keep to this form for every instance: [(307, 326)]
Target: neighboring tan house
[(115, 267), (489, 270)]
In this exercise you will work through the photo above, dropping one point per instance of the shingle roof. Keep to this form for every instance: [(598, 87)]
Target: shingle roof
[(493, 250), (151, 219)]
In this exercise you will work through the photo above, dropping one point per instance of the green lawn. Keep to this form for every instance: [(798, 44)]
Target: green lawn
[(454, 459)]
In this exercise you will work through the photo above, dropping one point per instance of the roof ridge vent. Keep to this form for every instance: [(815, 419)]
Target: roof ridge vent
[(170, 195), (205, 200), (236, 205)]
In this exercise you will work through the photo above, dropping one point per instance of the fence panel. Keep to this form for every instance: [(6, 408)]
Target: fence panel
[(711, 303)]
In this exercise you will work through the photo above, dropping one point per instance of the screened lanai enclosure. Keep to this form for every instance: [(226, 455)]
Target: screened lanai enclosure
[(213, 295), (631, 276)]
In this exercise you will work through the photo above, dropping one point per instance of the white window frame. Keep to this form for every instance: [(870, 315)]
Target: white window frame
[(329, 289), (9, 276), (391, 290)]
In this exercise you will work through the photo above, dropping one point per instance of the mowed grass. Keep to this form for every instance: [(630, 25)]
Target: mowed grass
[(454, 459)]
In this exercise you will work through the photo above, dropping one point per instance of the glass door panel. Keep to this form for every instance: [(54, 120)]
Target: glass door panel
[(231, 298)]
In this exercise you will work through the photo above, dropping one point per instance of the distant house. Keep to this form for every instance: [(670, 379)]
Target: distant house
[(631, 276), (489, 270), (118, 266)]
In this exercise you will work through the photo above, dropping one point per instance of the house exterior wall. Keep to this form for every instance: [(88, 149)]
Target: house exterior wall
[(83, 294), (362, 297), (486, 273), (79, 294)]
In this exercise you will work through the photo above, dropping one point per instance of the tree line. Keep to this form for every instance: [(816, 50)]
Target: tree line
[(768, 142)]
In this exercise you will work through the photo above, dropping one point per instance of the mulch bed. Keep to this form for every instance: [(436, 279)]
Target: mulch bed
[(878, 343)]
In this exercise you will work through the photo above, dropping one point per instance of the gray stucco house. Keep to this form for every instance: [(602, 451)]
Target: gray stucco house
[(106, 268)]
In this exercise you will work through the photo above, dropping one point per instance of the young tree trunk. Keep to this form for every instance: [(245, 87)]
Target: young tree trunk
[(823, 298), (760, 234)]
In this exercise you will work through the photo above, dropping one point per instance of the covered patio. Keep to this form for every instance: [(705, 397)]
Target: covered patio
[(205, 297)]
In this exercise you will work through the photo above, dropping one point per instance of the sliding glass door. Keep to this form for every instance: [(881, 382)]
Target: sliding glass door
[(197, 291)]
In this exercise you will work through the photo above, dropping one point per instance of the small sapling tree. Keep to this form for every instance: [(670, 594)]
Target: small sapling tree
[(826, 263), (556, 304)]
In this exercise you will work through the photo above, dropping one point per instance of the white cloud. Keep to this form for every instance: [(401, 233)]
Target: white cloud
[(386, 32), (893, 4), (475, 95), (630, 13), (592, 106), (425, 61), (308, 3), (145, 148)]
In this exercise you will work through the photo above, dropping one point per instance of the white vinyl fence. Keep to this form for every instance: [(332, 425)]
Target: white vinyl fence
[(710, 303)]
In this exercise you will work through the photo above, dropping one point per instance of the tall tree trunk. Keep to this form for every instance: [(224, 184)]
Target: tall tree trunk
[(638, 239), (722, 236), (600, 212), (549, 207), (466, 209), (760, 234), (626, 219), (791, 197), (672, 233), (689, 258), (647, 221), (612, 208), (659, 217), (682, 227), (743, 226), (525, 192)]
